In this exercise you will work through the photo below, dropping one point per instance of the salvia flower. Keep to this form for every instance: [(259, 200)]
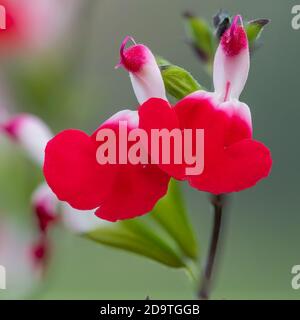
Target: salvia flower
[(117, 191), (31, 133), (23, 259), (233, 160), (33, 25), (45, 207), (144, 72), (49, 212)]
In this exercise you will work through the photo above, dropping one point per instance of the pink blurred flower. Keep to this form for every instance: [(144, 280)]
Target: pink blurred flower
[(18, 255), (34, 24), (32, 134)]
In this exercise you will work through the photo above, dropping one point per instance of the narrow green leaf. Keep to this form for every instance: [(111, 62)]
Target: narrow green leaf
[(135, 236), (178, 82), (170, 212), (201, 36), (254, 29)]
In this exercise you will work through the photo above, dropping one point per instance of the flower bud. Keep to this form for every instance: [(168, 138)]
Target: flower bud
[(23, 273), (232, 62), (30, 133), (45, 205), (144, 72), (34, 25)]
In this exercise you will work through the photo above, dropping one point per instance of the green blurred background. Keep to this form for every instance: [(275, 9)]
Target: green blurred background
[(263, 230)]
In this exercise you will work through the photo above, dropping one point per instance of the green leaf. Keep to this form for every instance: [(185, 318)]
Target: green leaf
[(162, 62), (137, 237), (170, 212), (178, 82), (166, 235), (254, 29), (201, 36)]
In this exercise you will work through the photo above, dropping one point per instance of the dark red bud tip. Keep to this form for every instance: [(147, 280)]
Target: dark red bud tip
[(132, 58), (40, 252), (11, 128), (44, 217), (235, 38)]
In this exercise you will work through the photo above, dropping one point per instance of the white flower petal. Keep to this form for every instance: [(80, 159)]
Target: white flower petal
[(22, 274), (231, 64), (31, 133), (144, 72), (80, 221)]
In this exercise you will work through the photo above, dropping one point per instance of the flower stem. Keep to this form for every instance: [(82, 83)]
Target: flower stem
[(218, 203)]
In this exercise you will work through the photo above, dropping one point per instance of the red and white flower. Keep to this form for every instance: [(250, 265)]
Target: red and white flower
[(117, 191), (23, 258), (32, 134), (233, 160), (143, 70), (31, 24), (45, 206), (49, 212)]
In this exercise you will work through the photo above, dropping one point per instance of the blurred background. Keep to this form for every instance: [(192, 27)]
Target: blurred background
[(68, 79)]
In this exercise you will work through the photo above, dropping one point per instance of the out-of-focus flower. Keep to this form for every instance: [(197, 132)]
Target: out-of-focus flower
[(79, 222), (233, 161), (22, 257), (49, 212), (32, 24), (45, 206), (30, 133), (119, 191)]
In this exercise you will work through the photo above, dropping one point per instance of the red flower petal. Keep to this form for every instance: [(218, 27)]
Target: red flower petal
[(72, 172), (137, 188), (122, 191), (223, 124), (198, 111), (240, 167), (159, 114), (232, 161), (136, 191)]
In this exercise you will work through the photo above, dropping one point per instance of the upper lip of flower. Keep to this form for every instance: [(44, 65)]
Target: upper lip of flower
[(235, 38), (231, 63), (134, 57), (122, 49)]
